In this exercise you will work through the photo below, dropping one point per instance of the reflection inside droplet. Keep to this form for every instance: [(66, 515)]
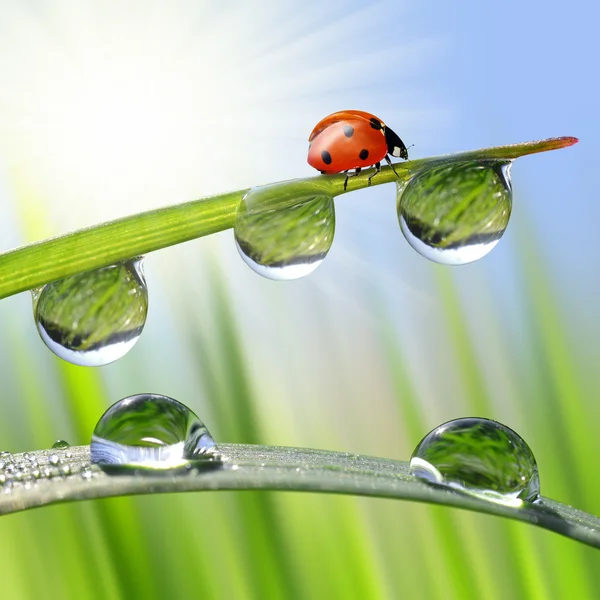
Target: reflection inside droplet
[(281, 235), (456, 212), (93, 318), (478, 456), (150, 431), (60, 445)]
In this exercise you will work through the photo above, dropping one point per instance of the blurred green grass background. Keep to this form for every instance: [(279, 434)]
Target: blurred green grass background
[(343, 383), (366, 355)]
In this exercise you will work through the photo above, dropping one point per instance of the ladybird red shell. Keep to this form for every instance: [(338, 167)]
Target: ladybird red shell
[(345, 145), (344, 115), (352, 139)]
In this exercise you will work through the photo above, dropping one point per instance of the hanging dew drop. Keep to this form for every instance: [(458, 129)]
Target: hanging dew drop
[(93, 318), (281, 235), (150, 431), (456, 212), (481, 457)]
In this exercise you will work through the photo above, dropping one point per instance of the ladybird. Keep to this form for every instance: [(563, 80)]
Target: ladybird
[(353, 139)]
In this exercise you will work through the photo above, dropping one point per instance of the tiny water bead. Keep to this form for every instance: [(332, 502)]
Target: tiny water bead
[(456, 212), (478, 456), (22, 471), (60, 445), (150, 431), (282, 235), (93, 318)]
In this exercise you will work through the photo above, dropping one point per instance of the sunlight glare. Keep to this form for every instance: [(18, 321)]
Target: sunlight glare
[(105, 112)]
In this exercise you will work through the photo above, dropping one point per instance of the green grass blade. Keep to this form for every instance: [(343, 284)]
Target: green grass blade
[(290, 469), (94, 247)]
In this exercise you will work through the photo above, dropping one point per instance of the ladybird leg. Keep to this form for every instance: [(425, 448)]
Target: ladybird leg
[(356, 172), (377, 170), (389, 162)]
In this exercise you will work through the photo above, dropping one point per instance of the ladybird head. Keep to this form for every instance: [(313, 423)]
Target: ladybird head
[(395, 145)]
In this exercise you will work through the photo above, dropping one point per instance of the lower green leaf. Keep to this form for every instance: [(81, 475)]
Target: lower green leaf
[(44, 477)]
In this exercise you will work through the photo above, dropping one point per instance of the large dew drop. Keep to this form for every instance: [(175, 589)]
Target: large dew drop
[(481, 457), (281, 235), (456, 212), (93, 318), (149, 431)]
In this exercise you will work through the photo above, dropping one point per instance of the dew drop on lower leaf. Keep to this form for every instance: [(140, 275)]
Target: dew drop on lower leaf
[(150, 431), (93, 318), (478, 456), (281, 235), (456, 212), (60, 445)]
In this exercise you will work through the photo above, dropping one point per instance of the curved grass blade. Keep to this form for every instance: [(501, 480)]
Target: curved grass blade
[(39, 263), (254, 467)]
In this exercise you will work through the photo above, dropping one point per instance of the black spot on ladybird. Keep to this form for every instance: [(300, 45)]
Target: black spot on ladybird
[(364, 154), (348, 131), (375, 124), (326, 157)]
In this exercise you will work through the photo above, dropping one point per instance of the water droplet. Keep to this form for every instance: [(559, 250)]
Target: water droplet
[(93, 318), (53, 459), (150, 431), (456, 212), (60, 445), (478, 456), (282, 235), (87, 474)]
